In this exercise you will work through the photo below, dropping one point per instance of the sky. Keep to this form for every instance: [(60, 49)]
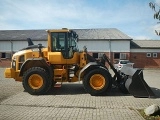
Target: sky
[(133, 17)]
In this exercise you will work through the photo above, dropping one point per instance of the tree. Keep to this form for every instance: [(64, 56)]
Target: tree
[(155, 7)]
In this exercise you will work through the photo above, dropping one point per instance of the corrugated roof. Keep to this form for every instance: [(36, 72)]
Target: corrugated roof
[(23, 34), (84, 34), (104, 33), (145, 44)]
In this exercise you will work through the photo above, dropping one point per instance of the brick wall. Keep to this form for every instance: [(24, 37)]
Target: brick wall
[(141, 61), (111, 56), (5, 63)]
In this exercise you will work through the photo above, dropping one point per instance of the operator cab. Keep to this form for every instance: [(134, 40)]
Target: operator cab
[(64, 42)]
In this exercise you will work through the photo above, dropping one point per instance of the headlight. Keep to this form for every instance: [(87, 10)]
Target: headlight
[(13, 64)]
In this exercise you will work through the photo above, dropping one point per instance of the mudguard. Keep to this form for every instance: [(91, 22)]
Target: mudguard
[(43, 64), (95, 64), (135, 84)]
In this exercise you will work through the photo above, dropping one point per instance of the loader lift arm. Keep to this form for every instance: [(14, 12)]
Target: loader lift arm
[(112, 67)]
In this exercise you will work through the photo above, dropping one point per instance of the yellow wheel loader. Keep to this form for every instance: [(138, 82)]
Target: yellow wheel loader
[(39, 68)]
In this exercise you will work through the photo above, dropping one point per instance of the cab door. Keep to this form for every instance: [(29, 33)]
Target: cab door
[(62, 47), (59, 49)]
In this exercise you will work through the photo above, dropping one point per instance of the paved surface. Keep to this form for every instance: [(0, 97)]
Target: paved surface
[(71, 102)]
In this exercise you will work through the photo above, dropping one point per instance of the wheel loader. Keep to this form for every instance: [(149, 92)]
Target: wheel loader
[(39, 68)]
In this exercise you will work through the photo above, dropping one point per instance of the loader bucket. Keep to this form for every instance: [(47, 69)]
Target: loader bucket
[(136, 85)]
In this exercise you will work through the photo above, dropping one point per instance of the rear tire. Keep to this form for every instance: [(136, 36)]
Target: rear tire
[(97, 82), (36, 81)]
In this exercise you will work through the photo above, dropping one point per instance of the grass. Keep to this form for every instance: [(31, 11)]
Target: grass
[(152, 117)]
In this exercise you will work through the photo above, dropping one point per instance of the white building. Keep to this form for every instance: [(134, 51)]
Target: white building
[(111, 41)]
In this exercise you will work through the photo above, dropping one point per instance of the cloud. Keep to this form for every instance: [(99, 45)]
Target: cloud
[(132, 17), (157, 2), (51, 13), (35, 13), (75, 13)]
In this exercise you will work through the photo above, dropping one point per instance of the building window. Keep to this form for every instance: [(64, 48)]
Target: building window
[(148, 55), (3, 55), (95, 55), (120, 56), (123, 56), (116, 55), (155, 55), (100, 55)]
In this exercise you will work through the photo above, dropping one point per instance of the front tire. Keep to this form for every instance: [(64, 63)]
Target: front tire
[(36, 81), (97, 82)]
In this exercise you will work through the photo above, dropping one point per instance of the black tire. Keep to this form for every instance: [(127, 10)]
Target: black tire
[(93, 77), (36, 81)]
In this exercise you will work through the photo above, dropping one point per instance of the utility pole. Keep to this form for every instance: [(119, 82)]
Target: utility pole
[(0, 56), (11, 48)]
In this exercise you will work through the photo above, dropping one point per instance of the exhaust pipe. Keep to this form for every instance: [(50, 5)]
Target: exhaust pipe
[(135, 84)]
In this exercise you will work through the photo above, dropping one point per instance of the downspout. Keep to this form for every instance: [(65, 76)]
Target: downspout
[(11, 48), (109, 49)]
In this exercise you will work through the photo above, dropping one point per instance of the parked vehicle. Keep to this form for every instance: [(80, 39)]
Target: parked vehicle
[(120, 63)]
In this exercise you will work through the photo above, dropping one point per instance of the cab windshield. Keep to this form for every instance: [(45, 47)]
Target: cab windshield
[(72, 41)]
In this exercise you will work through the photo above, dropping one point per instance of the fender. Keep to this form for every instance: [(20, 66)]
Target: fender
[(41, 60), (89, 65)]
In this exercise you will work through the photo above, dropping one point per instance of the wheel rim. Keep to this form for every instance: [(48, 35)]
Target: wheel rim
[(97, 81), (35, 81)]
